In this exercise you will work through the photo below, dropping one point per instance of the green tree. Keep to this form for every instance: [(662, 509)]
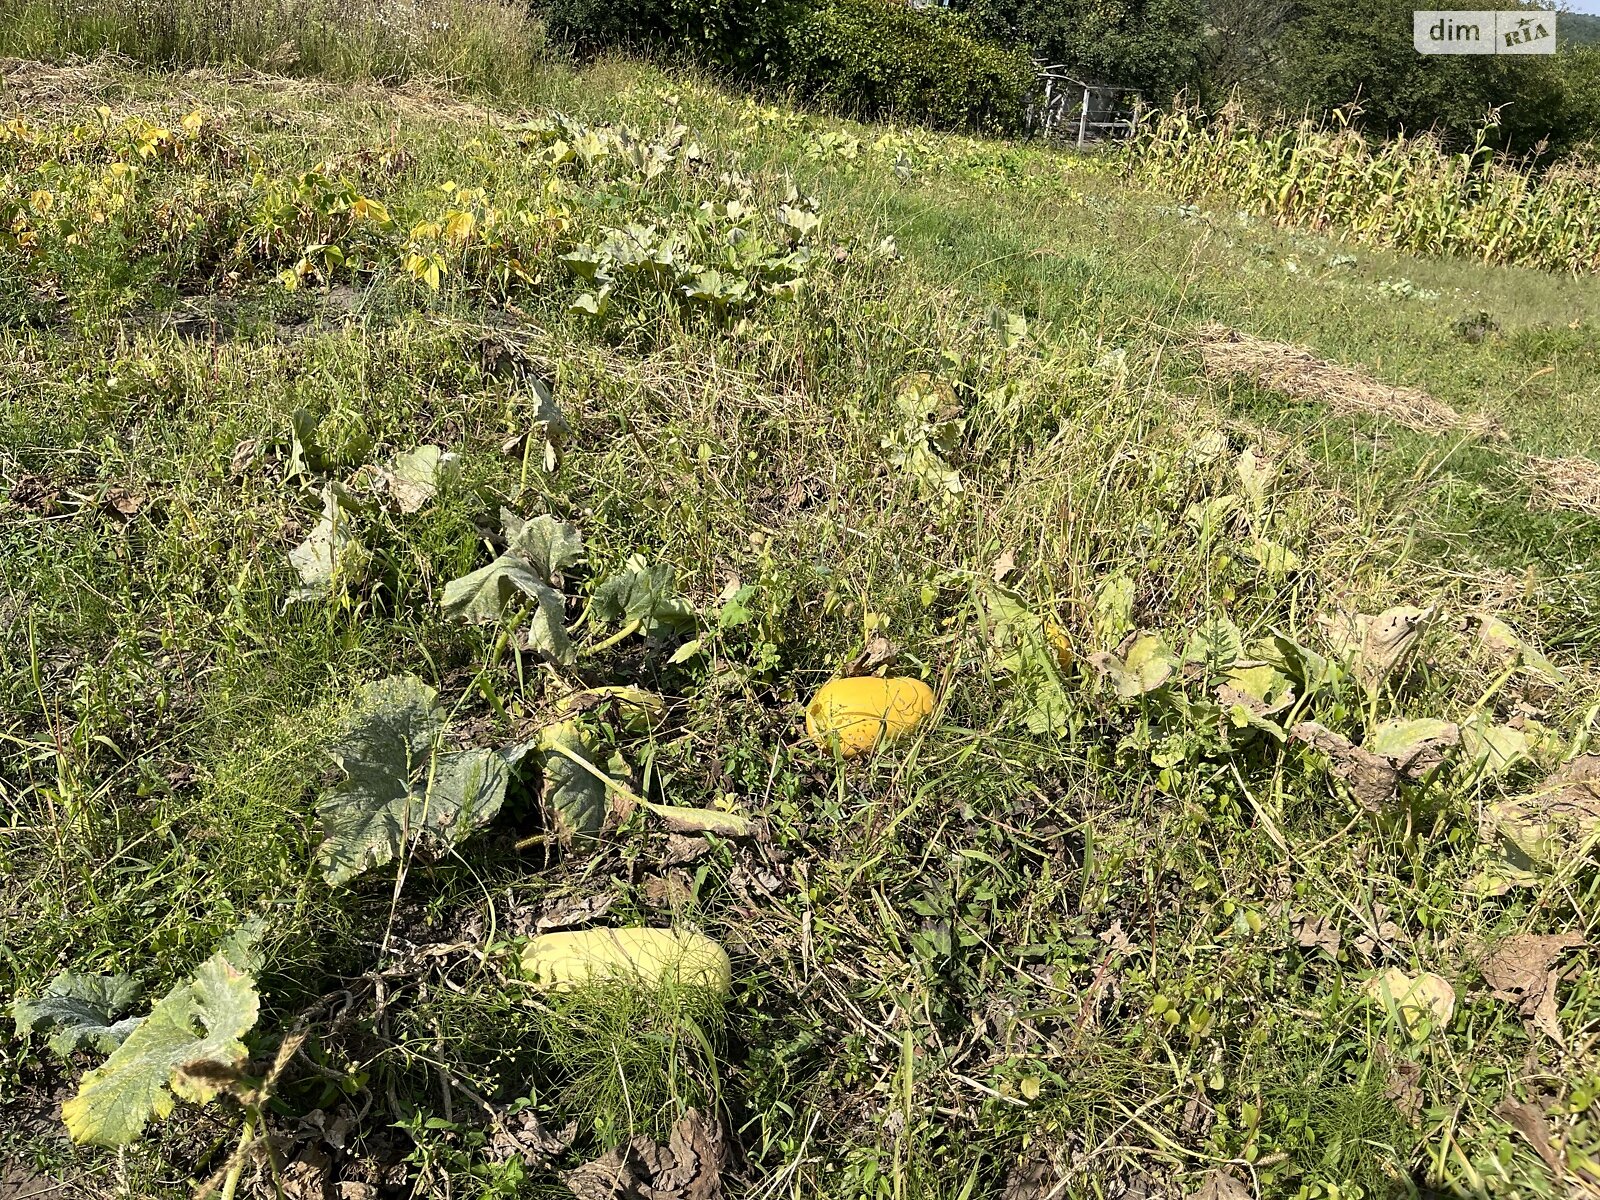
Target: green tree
[(1338, 52), (1155, 45)]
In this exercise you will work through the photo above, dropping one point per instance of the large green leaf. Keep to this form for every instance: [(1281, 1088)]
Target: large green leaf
[(537, 552), (574, 791), (645, 596), (83, 1009), (190, 1041), (489, 592), (399, 787), (549, 545)]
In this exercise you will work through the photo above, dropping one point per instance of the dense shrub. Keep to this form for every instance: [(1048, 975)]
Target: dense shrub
[(744, 36), (877, 58)]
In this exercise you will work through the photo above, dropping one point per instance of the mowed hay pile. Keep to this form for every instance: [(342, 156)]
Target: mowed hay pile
[(1298, 373), (1569, 483)]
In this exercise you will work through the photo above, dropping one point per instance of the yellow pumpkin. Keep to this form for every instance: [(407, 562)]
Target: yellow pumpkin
[(866, 712), (650, 957)]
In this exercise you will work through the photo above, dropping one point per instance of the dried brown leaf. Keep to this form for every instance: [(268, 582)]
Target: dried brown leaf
[(1519, 970), (1373, 780), (688, 1167), (878, 652), (1223, 1185), (1530, 1123), (1317, 933)]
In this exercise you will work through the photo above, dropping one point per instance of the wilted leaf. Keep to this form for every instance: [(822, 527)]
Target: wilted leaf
[(1415, 999), (644, 597), (1559, 818), (1256, 477), (1377, 646), (1498, 636), (398, 786), (1312, 932), (417, 475), (1519, 971), (688, 1167), (1530, 1123), (198, 1024), (1372, 778), (332, 558), (1147, 664), (83, 1009), (548, 418), (1223, 1185), (878, 652), (1414, 747), (485, 595)]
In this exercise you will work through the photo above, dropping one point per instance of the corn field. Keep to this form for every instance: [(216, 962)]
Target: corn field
[(1409, 193)]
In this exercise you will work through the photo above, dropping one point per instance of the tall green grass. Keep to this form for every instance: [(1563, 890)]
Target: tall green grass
[(492, 46), (1408, 193)]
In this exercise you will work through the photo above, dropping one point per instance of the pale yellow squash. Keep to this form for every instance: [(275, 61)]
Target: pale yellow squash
[(647, 957), (867, 712)]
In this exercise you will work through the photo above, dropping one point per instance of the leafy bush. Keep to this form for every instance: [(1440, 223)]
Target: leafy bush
[(740, 35), (881, 58)]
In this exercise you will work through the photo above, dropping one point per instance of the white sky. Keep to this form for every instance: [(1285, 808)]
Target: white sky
[(1585, 6)]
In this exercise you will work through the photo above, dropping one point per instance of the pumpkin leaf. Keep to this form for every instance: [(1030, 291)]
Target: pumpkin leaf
[(1215, 645), (1146, 665), (84, 1011), (487, 594), (416, 476), (1272, 557), (1414, 747), (1377, 646), (1422, 1003), (1498, 636), (1112, 614), (574, 790), (1556, 821), (1492, 750), (549, 546), (188, 1043), (642, 596), (1256, 477), (399, 787), (332, 558)]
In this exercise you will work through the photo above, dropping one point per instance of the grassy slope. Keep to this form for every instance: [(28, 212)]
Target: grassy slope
[(933, 983)]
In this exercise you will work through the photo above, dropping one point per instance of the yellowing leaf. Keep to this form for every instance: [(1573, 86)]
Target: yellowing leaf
[(1498, 636), (198, 1023), (416, 476), (332, 558), (1421, 1002), (1148, 664)]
